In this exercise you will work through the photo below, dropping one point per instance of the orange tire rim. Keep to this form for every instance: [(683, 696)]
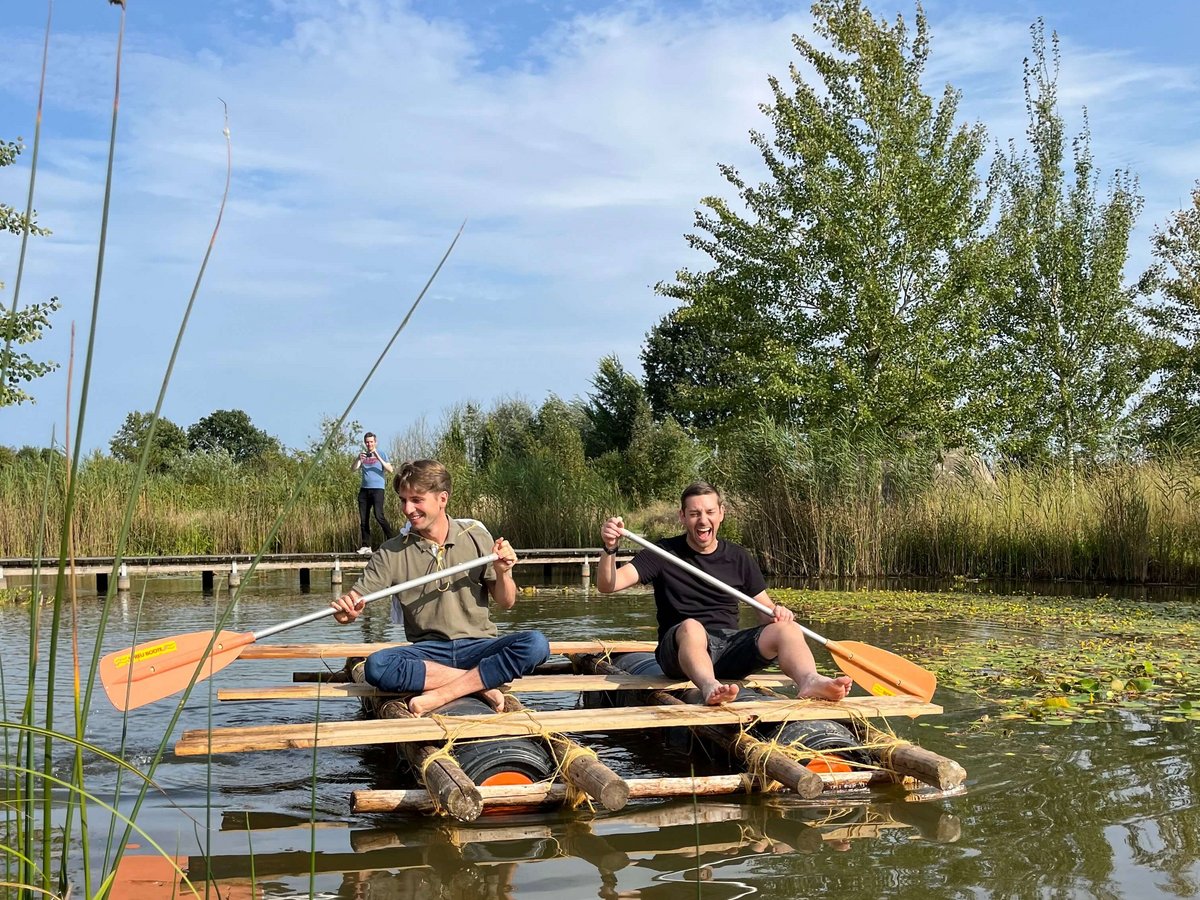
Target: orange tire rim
[(505, 778)]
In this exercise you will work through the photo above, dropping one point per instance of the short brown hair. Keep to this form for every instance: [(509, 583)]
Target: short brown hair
[(699, 489), (424, 475)]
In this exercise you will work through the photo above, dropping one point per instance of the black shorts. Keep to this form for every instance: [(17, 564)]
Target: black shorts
[(734, 653)]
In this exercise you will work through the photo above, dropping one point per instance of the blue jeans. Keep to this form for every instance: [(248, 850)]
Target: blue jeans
[(501, 659)]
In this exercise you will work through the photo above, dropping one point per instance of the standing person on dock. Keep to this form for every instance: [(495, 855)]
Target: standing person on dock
[(454, 649), (373, 465), (698, 636)]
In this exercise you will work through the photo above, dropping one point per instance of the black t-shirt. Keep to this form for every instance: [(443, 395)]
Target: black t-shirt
[(679, 595)]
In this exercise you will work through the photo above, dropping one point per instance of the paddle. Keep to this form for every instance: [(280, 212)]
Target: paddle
[(875, 670), (139, 675)]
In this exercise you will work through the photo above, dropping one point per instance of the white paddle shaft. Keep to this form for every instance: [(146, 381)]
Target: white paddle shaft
[(386, 592), (709, 579)]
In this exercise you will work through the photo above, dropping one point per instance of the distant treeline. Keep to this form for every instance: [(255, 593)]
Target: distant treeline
[(809, 505)]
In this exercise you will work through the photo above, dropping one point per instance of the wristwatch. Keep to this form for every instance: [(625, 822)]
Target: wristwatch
[(613, 551)]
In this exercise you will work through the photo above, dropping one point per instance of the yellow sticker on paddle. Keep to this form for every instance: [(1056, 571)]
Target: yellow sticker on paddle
[(144, 653), (882, 690)]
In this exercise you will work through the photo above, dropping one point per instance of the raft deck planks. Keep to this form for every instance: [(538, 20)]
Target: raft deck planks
[(355, 733), (342, 650), (526, 685)]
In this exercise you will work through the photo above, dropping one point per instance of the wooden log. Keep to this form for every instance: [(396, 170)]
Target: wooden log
[(742, 746), (585, 772), (340, 650), (444, 779), (331, 688), (199, 742), (501, 796), (909, 759)]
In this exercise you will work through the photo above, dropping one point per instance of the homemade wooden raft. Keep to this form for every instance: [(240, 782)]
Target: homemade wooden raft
[(469, 758)]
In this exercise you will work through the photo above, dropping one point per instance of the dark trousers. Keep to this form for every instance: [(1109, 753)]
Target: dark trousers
[(368, 499), (500, 660)]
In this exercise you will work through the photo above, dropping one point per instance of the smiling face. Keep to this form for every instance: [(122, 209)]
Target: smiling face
[(701, 516), (369, 443), (426, 510)]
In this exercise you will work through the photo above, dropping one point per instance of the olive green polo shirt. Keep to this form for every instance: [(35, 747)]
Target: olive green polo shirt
[(446, 610)]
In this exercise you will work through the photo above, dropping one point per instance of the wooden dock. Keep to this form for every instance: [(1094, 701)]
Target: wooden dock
[(234, 566)]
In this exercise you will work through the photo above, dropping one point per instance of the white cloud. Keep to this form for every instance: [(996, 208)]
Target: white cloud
[(366, 133)]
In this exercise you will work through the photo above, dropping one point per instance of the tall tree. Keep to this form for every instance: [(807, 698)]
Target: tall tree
[(20, 326), (1069, 352), (232, 432), (612, 408), (170, 441), (677, 358), (1172, 410), (846, 293)]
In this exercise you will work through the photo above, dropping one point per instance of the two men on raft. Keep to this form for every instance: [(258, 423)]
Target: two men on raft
[(455, 650)]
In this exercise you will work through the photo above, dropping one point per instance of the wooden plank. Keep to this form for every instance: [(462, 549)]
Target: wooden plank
[(528, 685), (438, 728), (341, 650)]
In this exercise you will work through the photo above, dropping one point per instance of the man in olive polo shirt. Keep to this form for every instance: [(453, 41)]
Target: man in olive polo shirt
[(454, 649)]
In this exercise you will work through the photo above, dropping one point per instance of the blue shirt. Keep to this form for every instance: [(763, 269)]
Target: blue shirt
[(373, 476)]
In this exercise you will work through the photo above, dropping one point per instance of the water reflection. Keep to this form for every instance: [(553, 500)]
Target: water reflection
[(1101, 809), (645, 851)]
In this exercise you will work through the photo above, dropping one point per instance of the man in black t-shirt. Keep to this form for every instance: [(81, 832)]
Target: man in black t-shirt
[(698, 636)]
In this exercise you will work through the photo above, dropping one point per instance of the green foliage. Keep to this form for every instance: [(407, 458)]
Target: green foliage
[(232, 432), (20, 326), (613, 408), (680, 372), (169, 444), (1170, 413), (1069, 354), (661, 459), (847, 296)]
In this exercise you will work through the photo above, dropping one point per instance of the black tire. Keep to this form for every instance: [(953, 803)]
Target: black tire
[(488, 759)]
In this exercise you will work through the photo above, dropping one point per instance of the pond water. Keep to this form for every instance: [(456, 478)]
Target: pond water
[(1102, 808)]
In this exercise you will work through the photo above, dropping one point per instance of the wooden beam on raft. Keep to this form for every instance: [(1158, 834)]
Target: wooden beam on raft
[(616, 681), (542, 794), (446, 784), (908, 759), (439, 728), (581, 768), (739, 743), (341, 650)]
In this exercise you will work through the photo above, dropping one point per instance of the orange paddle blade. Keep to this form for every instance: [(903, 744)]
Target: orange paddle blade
[(150, 671), (882, 673)]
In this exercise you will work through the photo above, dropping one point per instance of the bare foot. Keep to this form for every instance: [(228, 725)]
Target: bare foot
[(720, 693), (818, 687), (421, 704), (493, 698)]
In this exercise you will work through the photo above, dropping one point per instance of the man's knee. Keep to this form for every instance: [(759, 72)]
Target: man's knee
[(691, 630), (394, 671), (535, 647)]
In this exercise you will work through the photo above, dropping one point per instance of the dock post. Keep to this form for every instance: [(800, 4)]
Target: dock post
[(586, 572), (206, 581), (3, 580), (305, 579), (335, 577), (101, 582), (123, 578), (235, 577)]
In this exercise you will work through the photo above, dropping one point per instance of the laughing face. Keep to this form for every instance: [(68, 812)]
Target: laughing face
[(426, 510), (701, 517)]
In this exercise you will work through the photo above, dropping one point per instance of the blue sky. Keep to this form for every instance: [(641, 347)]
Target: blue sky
[(576, 139)]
